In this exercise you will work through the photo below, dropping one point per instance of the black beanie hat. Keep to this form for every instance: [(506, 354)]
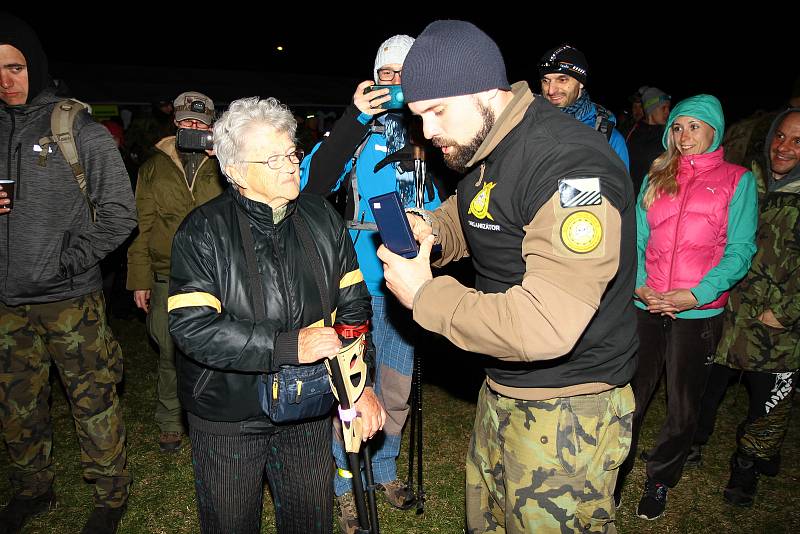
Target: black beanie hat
[(452, 58), (17, 33), (567, 60)]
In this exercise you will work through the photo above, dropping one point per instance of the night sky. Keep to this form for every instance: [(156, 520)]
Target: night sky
[(750, 66)]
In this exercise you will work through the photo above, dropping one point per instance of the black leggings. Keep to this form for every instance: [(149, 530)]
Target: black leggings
[(761, 434), (229, 479)]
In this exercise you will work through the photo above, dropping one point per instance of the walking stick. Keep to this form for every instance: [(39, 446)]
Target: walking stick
[(348, 374)]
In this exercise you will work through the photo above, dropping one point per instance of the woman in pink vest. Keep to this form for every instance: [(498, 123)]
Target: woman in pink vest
[(696, 219)]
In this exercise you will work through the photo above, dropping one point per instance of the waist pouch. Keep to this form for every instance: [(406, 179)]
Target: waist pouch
[(296, 392)]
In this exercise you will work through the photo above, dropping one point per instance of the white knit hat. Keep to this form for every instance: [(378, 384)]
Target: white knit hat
[(393, 50)]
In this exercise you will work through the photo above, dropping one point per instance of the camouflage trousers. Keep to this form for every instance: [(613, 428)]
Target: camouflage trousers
[(547, 466), (75, 336)]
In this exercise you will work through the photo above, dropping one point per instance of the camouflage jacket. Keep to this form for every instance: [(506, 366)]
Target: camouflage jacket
[(773, 283)]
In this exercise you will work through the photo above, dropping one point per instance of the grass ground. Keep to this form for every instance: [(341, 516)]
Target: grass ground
[(163, 501)]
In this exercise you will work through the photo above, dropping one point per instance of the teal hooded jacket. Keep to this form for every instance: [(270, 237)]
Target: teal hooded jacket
[(742, 216)]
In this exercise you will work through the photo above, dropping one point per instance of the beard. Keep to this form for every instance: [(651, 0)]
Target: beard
[(459, 154)]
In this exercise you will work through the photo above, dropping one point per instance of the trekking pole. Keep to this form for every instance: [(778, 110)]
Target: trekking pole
[(349, 363), (417, 385)]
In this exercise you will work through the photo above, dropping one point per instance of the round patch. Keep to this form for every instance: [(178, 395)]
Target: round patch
[(581, 232)]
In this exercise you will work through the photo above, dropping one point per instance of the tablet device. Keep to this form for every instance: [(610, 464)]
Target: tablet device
[(393, 224)]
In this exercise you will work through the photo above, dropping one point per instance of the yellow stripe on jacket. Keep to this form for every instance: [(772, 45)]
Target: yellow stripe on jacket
[(184, 300)]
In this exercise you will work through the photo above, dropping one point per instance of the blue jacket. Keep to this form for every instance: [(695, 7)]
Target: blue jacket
[(328, 167), (616, 141)]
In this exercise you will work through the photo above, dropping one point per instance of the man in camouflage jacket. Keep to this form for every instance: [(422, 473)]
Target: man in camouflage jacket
[(761, 336)]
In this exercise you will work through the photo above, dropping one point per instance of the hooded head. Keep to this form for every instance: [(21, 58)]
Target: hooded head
[(17, 33), (702, 107)]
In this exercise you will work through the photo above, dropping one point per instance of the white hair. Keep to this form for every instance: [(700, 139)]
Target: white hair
[(230, 130)]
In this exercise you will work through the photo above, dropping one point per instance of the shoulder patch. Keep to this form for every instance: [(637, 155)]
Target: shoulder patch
[(576, 192), (581, 232)]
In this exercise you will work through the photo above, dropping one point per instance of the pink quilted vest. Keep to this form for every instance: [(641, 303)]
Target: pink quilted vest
[(688, 232)]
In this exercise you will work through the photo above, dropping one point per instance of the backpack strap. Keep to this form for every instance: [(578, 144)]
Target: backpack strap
[(603, 122), (355, 223), (62, 121)]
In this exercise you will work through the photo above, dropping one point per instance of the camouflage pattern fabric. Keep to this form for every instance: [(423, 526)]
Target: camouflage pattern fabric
[(75, 336), (773, 283), (547, 466), (763, 437)]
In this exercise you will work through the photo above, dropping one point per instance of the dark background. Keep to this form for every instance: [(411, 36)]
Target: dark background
[(748, 57)]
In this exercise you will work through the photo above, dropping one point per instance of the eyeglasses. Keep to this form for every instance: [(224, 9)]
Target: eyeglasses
[(277, 161), (387, 75), (189, 123)]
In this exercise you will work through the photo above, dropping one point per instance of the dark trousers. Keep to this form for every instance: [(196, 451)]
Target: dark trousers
[(229, 479), (761, 434), (682, 350)]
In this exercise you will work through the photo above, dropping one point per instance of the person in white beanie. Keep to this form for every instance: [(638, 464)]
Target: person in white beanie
[(364, 137)]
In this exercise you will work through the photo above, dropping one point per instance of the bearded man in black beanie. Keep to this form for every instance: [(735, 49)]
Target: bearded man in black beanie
[(545, 212)]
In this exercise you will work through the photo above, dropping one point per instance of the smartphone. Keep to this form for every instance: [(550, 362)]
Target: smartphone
[(395, 93), (195, 140), (393, 225)]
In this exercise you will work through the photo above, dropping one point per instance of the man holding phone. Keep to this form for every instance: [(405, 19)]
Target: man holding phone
[(546, 214), (373, 127), (180, 176)]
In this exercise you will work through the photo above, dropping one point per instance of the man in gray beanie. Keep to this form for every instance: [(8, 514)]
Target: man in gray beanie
[(355, 157), (545, 211)]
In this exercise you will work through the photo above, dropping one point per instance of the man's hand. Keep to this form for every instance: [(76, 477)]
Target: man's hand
[(370, 103), (404, 277), (142, 299), (4, 201), (768, 318), (372, 414), (419, 227), (314, 344)]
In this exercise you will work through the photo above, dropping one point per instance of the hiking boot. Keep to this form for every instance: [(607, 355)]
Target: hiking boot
[(104, 520), (653, 501), (348, 517), (695, 456), (170, 441), (770, 466), (398, 494), (741, 488), (18, 511)]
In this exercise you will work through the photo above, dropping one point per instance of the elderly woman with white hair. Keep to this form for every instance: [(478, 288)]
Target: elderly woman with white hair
[(248, 295)]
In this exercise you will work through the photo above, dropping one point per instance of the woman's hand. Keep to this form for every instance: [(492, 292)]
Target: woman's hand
[(678, 300), (648, 295)]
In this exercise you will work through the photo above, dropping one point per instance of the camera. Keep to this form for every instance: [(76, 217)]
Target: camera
[(189, 139)]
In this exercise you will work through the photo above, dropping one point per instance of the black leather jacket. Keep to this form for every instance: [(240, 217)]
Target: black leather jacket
[(211, 318)]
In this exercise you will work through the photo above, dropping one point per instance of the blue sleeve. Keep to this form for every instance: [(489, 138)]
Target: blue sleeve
[(617, 142), (305, 172), (642, 236), (740, 247)]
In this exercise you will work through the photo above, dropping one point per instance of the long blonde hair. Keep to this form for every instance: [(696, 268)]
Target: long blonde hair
[(662, 178)]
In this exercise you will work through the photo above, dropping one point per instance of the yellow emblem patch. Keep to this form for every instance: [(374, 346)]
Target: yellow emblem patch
[(581, 232), (479, 207)]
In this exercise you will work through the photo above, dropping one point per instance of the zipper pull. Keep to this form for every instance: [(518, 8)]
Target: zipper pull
[(274, 389), (299, 389)]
